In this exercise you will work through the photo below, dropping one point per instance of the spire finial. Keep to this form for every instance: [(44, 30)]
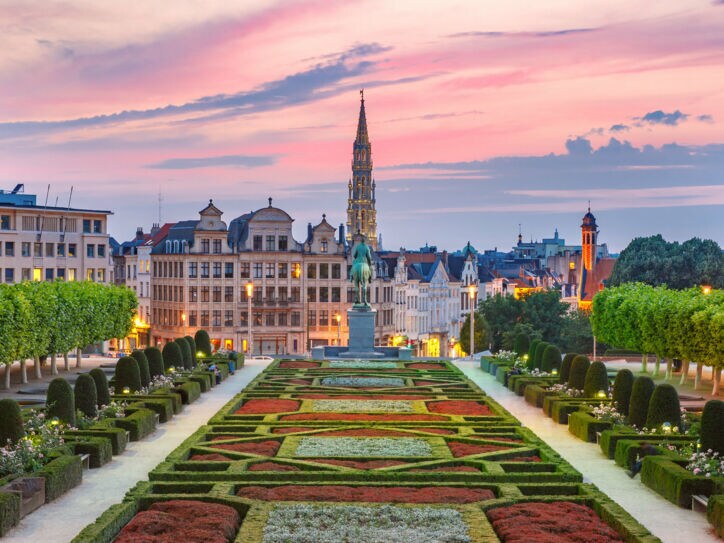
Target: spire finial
[(589, 206), (270, 201), (324, 216), (362, 94)]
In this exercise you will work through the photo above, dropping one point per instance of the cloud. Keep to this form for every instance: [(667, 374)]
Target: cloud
[(706, 118), (540, 34), (619, 128), (660, 117), (579, 146), (247, 161)]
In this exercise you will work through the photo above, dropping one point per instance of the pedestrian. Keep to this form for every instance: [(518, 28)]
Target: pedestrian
[(645, 449)]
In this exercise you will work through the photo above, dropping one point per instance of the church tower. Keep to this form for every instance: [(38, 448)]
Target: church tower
[(589, 231), (361, 213)]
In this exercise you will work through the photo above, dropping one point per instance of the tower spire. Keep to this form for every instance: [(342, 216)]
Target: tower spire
[(362, 136)]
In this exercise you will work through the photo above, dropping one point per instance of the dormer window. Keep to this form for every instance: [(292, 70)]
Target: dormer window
[(325, 246), (205, 245)]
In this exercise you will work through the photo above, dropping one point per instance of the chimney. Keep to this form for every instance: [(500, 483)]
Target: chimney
[(155, 228), (309, 230), (139, 232), (444, 258), (341, 233)]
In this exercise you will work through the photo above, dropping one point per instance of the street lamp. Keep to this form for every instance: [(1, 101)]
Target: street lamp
[(249, 294), (338, 318), (472, 292), (706, 289), (183, 320)]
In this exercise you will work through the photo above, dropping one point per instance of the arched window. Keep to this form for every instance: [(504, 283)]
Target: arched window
[(168, 246)]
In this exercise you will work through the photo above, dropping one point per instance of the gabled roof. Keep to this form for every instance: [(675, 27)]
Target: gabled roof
[(591, 282)]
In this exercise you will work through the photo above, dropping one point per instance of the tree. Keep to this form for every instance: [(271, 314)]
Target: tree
[(576, 333), (501, 313), (518, 329), (544, 311), (482, 333)]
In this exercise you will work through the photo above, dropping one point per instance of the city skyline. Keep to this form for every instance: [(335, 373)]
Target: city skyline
[(476, 126)]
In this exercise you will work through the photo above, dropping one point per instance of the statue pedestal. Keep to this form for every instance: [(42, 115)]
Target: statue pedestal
[(361, 333)]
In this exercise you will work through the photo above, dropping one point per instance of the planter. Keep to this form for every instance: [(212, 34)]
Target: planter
[(31, 491)]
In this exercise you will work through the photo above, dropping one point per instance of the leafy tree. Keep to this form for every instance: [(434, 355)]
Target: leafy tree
[(544, 311), (518, 329), (576, 333), (501, 313), (482, 333)]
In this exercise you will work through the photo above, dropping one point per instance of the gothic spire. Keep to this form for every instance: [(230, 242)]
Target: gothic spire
[(362, 137)]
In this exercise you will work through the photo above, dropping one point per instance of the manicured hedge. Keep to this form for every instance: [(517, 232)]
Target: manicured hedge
[(172, 356), (715, 514), (539, 350), (106, 527), (664, 407), (596, 380), (60, 401), (60, 474), (86, 396), (672, 481), (622, 386), (128, 375), (192, 345), (188, 361), (551, 359), (142, 360), (577, 376), (155, 361), (116, 436), (531, 353), (9, 511), (643, 388), (99, 449), (11, 421), (584, 426), (101, 381), (140, 423), (203, 343), (565, 371), (712, 427), (190, 391)]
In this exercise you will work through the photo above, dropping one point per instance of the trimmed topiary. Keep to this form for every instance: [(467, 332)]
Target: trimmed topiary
[(155, 361), (188, 362), (60, 401), (638, 406), (521, 344), (565, 371), (664, 407), (551, 359), (142, 360), (86, 395), (192, 345), (103, 395), (203, 343), (531, 353), (596, 380), (577, 376), (622, 390), (11, 421), (712, 427), (172, 357), (539, 350), (128, 375)]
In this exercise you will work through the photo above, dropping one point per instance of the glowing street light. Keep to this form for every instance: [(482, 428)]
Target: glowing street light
[(472, 292), (706, 289), (249, 294), (338, 318), (183, 320)]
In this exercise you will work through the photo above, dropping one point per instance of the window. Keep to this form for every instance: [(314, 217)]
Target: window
[(228, 294), (244, 319), (60, 273), (257, 270), (242, 295), (257, 243), (282, 271), (216, 317), (257, 296), (86, 226), (217, 246), (193, 269), (37, 274), (61, 249), (269, 321), (101, 275), (270, 294), (324, 271), (229, 270), (90, 251), (217, 270), (204, 294), (311, 271), (257, 318), (323, 294), (102, 254), (4, 222), (193, 294), (9, 275), (311, 294), (296, 318), (282, 319), (229, 317), (25, 249), (296, 293), (270, 270), (26, 274), (10, 248), (90, 274), (193, 318), (336, 271), (270, 243), (204, 317), (204, 270), (336, 294), (72, 250), (324, 318), (296, 270), (216, 292), (325, 246), (283, 243), (38, 250), (244, 270), (49, 274), (205, 245), (312, 318), (71, 274), (97, 227), (282, 294)]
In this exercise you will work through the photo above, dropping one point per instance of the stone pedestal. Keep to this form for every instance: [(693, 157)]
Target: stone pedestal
[(361, 333)]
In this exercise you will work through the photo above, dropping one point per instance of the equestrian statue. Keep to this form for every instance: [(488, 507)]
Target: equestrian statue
[(361, 273)]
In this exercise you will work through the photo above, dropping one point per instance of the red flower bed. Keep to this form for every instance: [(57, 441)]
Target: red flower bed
[(361, 397), (213, 457), (266, 448), (300, 381), (258, 406), (459, 407), (426, 366), (361, 416), (391, 494), (464, 449), (370, 464), (222, 438), (422, 383), (298, 364), (189, 521), (441, 431), (506, 439), (272, 466), (523, 459), (364, 432), (555, 522), (291, 430), (447, 468)]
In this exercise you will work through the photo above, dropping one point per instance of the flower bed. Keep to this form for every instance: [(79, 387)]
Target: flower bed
[(297, 364), (459, 407), (563, 522), (272, 466), (363, 364), (364, 447), (369, 464), (361, 397), (266, 448), (372, 494), (426, 366), (363, 432), (459, 449), (363, 417), (374, 382), (469, 469), (291, 429), (362, 406), (210, 457), (258, 406), (304, 523)]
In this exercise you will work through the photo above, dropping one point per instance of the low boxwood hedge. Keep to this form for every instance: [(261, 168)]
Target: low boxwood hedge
[(117, 436), (715, 514), (672, 481), (9, 511), (584, 426), (60, 474), (106, 527), (535, 394), (140, 422), (175, 397), (99, 449)]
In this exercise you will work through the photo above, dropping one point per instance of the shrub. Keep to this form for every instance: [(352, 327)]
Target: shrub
[(596, 380), (531, 353), (172, 356), (11, 421), (638, 406), (155, 361), (86, 395), (539, 350), (565, 371), (142, 360), (664, 407), (127, 375), (521, 344), (551, 359), (203, 343), (192, 345), (188, 362), (712, 423), (60, 401), (102, 393), (579, 368), (622, 390), (9, 511)]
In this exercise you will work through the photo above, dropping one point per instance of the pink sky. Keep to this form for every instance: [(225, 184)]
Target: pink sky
[(85, 90)]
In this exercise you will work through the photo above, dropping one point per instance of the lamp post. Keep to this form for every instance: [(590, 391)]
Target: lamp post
[(706, 289), (249, 294), (472, 292), (183, 320), (338, 318)]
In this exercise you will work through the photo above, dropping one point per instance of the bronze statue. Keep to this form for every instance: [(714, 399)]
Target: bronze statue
[(361, 272)]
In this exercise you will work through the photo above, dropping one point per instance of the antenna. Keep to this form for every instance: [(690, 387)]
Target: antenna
[(42, 217), (65, 219), (160, 200)]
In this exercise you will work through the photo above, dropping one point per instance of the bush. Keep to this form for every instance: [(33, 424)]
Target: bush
[(86, 395), (138, 424), (712, 427), (551, 359), (203, 343), (596, 380), (9, 511), (579, 368), (565, 371), (61, 474), (531, 353), (11, 421), (192, 346), (622, 390), (155, 361), (172, 357), (664, 407), (521, 344), (714, 513), (539, 350), (188, 362), (127, 375), (60, 401), (638, 407), (142, 360), (102, 393)]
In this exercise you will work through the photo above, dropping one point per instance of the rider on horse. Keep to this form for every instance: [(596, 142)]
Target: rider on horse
[(361, 272)]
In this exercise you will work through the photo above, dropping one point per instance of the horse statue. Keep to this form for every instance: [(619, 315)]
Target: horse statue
[(361, 272)]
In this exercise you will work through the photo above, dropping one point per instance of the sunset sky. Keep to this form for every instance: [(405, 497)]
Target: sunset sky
[(482, 115)]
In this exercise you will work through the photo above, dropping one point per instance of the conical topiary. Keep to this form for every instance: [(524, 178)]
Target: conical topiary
[(192, 346), (539, 350), (203, 343), (521, 343), (172, 357), (142, 360), (128, 375), (86, 395), (11, 422), (664, 407), (185, 353), (60, 401), (712, 427), (101, 381), (530, 364), (565, 370), (638, 406), (155, 361), (622, 390), (596, 380), (577, 376), (551, 359)]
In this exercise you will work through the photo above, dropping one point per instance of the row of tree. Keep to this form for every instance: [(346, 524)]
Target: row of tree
[(38, 319), (682, 324)]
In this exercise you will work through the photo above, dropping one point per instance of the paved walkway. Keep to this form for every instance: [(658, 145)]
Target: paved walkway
[(665, 520), (61, 520)]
